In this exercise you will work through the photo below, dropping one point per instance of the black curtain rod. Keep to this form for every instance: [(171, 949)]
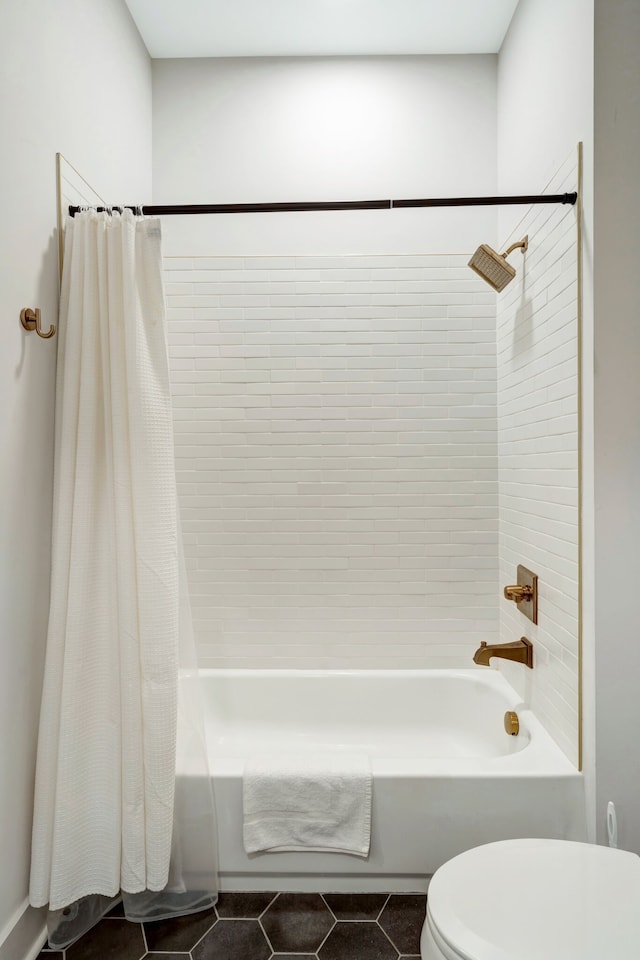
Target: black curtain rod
[(193, 208)]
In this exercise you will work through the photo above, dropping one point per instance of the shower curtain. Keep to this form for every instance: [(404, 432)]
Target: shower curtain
[(120, 696)]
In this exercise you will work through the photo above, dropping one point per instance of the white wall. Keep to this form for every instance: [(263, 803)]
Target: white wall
[(335, 432), (545, 106), (546, 103), (537, 366), (254, 341), (74, 77), (617, 411), (545, 96), (324, 129)]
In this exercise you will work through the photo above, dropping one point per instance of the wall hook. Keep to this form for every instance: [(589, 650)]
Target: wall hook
[(30, 320)]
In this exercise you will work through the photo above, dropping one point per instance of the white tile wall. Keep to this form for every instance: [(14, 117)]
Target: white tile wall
[(538, 457), (335, 425)]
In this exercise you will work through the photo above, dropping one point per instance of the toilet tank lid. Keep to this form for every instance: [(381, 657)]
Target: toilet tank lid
[(533, 899)]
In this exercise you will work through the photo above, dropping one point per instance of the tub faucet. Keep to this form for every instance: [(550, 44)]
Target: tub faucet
[(520, 650)]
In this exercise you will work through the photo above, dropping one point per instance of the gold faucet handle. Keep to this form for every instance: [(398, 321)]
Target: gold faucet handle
[(518, 593)]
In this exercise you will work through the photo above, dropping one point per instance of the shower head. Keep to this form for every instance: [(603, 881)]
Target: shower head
[(493, 267)]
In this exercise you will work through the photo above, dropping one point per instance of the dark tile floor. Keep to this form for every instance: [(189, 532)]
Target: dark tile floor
[(266, 926)]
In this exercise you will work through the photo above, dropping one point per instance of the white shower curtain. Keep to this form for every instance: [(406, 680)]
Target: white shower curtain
[(110, 815)]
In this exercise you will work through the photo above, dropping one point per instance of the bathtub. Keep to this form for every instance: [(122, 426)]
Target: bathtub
[(446, 775)]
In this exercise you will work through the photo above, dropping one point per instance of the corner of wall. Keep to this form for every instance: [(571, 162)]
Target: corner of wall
[(86, 94), (24, 934)]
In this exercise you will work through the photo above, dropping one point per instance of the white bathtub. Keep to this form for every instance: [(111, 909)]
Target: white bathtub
[(446, 775)]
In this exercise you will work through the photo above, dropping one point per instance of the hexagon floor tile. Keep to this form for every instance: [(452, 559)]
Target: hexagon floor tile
[(247, 906), (293, 956), (266, 926), (297, 922), (402, 920), (109, 940), (357, 941), (355, 906), (180, 934), (168, 956), (233, 940)]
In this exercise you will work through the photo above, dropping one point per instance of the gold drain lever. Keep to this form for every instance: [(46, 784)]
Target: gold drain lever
[(511, 723)]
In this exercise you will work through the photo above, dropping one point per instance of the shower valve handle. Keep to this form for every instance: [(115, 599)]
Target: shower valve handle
[(518, 593)]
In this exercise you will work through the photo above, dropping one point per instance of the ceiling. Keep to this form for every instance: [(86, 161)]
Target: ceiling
[(302, 28)]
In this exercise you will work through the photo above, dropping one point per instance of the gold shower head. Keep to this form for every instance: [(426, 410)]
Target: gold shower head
[(493, 267)]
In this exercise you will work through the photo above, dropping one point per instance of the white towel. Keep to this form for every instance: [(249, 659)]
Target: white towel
[(318, 803)]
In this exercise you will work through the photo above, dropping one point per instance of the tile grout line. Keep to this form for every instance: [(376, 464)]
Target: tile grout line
[(144, 940), (264, 934), (315, 954), (270, 904), (324, 940), (389, 939), (207, 931), (335, 918), (383, 907)]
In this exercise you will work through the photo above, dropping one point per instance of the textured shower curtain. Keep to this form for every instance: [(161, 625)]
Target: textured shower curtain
[(120, 689)]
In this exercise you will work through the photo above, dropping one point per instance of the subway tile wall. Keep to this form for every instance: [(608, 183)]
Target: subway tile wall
[(336, 441), (537, 344)]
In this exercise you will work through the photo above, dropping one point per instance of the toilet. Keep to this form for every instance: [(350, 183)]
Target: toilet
[(534, 900)]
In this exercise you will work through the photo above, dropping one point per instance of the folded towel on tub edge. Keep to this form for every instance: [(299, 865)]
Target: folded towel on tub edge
[(320, 803)]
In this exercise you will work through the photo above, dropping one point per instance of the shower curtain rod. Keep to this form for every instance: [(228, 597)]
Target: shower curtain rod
[(193, 208)]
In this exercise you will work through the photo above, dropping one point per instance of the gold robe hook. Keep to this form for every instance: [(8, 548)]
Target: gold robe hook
[(30, 320)]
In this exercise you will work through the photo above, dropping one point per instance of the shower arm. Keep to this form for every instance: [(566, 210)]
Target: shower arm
[(514, 246)]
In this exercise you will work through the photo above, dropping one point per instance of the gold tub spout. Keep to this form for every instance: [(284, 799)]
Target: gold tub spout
[(520, 650)]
